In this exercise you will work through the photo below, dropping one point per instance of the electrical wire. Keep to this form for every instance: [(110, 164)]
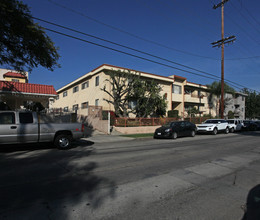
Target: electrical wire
[(139, 51), (132, 55), (130, 34)]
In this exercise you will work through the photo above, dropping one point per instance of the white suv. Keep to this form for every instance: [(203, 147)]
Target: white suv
[(235, 124), (213, 126)]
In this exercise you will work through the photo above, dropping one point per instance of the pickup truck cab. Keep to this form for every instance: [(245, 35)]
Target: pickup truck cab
[(213, 126), (17, 127)]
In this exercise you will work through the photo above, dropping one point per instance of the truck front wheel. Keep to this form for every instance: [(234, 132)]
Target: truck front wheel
[(63, 141)]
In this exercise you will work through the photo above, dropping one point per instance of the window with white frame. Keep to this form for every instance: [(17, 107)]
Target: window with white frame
[(85, 85), (84, 105), (65, 94), (75, 89), (176, 89), (96, 102), (97, 81)]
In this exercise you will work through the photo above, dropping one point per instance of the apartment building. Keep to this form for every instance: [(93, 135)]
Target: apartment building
[(236, 104), (84, 93)]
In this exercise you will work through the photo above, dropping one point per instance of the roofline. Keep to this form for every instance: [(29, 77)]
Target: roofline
[(197, 84), (103, 67), (28, 93)]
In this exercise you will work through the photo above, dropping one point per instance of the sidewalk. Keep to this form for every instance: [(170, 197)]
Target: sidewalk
[(99, 137)]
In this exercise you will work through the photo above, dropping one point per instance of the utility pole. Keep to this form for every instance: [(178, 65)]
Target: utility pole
[(221, 43)]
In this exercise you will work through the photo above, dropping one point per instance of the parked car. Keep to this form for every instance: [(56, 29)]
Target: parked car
[(18, 127), (258, 125), (249, 125), (235, 125), (176, 129), (213, 126)]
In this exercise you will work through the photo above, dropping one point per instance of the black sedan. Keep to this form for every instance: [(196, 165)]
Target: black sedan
[(249, 125), (176, 129)]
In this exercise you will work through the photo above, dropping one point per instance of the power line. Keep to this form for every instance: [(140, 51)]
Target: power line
[(139, 57), (139, 51), (128, 33)]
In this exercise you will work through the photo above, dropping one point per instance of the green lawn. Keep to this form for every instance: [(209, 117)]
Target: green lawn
[(138, 135)]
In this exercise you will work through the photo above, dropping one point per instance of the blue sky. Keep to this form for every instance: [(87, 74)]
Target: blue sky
[(181, 27)]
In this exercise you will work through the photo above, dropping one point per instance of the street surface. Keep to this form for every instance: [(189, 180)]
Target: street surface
[(205, 177)]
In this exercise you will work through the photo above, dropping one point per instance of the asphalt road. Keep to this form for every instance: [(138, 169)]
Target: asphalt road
[(205, 177)]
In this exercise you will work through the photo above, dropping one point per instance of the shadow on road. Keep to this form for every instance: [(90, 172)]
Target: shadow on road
[(252, 207), (34, 179)]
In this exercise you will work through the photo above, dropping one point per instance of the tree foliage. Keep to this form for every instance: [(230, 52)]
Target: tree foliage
[(23, 44), (126, 87), (146, 95), (121, 83), (215, 90), (252, 104)]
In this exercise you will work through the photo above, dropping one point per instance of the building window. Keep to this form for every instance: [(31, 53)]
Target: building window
[(132, 104), (243, 98), (96, 102), (75, 107), (57, 97), (66, 109), (65, 94), (84, 85), (75, 89), (97, 81), (176, 89), (25, 117), (15, 80), (84, 105)]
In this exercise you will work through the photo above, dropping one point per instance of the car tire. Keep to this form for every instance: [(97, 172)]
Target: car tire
[(63, 141), (193, 133), (226, 130), (174, 135), (232, 130), (215, 131)]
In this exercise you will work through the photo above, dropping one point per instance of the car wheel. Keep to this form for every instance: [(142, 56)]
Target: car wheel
[(193, 133), (232, 130), (174, 135), (63, 141), (215, 131), (226, 130)]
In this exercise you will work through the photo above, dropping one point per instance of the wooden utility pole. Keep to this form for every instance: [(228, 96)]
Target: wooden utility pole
[(222, 42)]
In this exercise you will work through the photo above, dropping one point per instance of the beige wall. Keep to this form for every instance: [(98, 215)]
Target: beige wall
[(93, 92), (174, 101)]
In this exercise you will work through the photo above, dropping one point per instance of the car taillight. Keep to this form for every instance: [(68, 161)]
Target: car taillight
[(82, 128)]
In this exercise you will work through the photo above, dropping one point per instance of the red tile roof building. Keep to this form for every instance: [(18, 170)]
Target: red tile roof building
[(16, 87), (15, 75)]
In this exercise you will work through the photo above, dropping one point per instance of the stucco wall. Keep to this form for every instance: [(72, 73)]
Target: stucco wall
[(136, 130)]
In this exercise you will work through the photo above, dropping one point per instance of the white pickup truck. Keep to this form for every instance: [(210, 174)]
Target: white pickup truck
[(213, 126), (18, 127)]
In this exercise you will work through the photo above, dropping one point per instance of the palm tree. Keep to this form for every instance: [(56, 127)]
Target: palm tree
[(215, 90)]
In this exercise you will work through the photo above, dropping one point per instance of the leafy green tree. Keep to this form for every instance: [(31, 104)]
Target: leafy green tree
[(23, 44), (252, 104), (148, 100), (215, 90), (121, 83)]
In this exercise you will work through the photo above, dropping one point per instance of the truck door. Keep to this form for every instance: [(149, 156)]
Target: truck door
[(27, 130), (8, 128)]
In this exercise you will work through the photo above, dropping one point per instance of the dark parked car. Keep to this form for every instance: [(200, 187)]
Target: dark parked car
[(249, 125), (176, 129), (258, 125)]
